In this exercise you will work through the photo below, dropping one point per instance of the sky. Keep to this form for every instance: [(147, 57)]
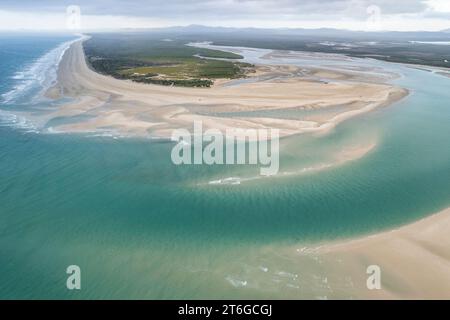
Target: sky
[(368, 15)]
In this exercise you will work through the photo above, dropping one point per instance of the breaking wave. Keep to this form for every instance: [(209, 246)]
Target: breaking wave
[(38, 76)]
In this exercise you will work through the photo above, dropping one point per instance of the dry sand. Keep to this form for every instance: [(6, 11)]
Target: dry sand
[(414, 261)]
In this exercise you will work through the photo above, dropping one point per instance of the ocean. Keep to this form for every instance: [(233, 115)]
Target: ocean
[(140, 227)]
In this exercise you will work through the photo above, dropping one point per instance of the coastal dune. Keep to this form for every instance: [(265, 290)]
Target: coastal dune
[(132, 109)]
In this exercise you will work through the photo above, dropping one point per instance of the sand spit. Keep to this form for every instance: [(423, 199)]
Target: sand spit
[(133, 109)]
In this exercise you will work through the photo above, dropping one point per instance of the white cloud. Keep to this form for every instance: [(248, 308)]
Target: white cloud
[(403, 15), (30, 21), (58, 22), (439, 5)]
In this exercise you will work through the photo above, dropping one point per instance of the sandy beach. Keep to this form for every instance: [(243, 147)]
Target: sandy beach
[(414, 261), (132, 109)]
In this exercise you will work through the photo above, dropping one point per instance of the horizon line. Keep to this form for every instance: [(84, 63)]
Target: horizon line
[(82, 30)]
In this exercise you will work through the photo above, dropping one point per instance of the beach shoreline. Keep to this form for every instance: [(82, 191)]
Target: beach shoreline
[(414, 260), (144, 110)]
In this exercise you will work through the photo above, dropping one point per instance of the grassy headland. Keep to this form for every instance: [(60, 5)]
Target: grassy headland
[(163, 61)]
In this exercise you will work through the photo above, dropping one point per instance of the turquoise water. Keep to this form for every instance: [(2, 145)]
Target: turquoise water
[(140, 227)]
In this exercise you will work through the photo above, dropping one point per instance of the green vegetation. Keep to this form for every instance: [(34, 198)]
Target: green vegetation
[(162, 54), (150, 59), (181, 83), (190, 68)]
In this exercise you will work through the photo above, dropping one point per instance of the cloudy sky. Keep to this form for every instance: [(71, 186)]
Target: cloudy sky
[(368, 15)]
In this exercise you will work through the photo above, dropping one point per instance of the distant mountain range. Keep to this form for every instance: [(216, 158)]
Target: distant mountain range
[(323, 33)]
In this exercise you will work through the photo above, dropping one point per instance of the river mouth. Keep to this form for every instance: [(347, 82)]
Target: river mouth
[(166, 232)]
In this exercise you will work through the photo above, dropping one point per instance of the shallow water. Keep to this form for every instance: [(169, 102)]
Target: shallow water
[(140, 227)]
